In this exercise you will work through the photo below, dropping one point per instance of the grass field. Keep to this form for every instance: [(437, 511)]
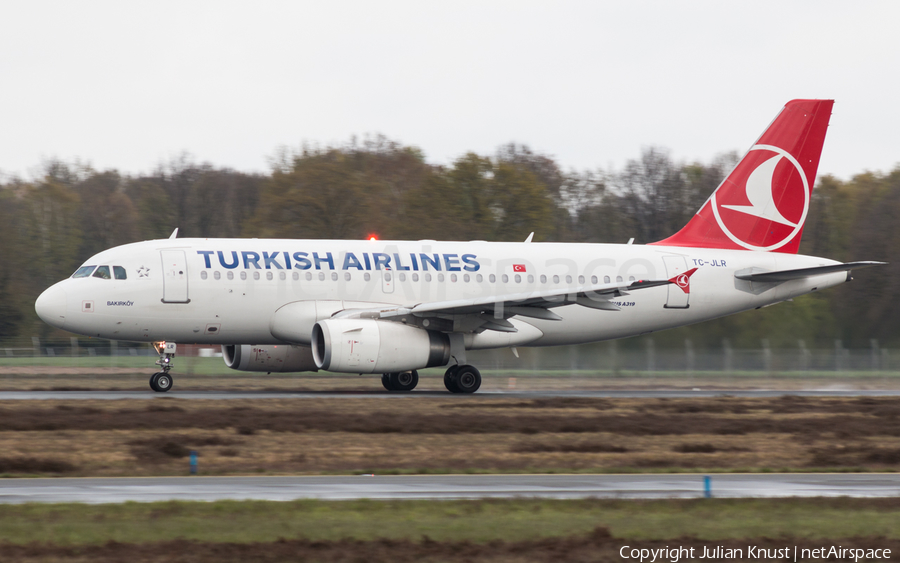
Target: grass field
[(476, 520), (422, 434), (487, 530), (450, 434)]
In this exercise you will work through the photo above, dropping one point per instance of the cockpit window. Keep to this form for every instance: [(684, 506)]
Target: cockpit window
[(119, 271), (102, 272), (83, 271)]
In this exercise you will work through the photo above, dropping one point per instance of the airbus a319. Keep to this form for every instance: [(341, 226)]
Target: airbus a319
[(394, 307)]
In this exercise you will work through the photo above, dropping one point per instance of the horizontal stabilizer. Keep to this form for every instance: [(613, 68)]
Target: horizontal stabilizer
[(787, 275)]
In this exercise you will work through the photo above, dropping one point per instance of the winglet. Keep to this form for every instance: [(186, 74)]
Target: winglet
[(531, 236), (174, 233), (684, 280)]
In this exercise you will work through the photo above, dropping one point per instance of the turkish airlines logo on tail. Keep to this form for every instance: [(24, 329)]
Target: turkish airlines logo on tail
[(764, 202), (684, 280)]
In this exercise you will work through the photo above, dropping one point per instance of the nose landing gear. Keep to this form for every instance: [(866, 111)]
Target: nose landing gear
[(162, 381)]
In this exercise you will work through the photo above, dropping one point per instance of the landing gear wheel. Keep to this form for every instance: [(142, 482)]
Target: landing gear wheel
[(386, 381), (466, 379), (404, 380), (448, 378), (161, 382)]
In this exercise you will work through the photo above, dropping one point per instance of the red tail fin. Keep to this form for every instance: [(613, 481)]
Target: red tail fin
[(763, 203)]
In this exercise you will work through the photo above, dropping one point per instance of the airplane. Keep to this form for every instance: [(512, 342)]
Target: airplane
[(394, 307)]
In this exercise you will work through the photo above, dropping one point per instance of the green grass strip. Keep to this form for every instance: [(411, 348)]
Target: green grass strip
[(476, 521)]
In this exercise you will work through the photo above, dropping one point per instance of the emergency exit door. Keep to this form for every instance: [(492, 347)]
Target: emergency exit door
[(387, 281), (175, 279), (677, 298)]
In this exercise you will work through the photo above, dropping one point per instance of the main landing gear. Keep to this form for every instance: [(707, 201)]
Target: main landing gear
[(162, 381), (402, 381), (462, 379)]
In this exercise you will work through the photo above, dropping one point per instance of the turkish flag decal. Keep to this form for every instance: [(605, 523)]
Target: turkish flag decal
[(518, 267)]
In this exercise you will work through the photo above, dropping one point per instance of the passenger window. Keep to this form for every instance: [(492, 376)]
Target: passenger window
[(367, 276), (594, 280), (282, 276), (505, 278), (256, 275), (530, 278), (580, 279), (440, 277), (415, 277), (402, 276), (217, 275), (269, 276), (605, 279), (346, 276), (493, 278), (568, 279), (230, 275), (334, 276), (83, 271), (203, 275), (479, 278), (543, 278), (119, 272), (618, 278), (295, 276), (428, 277), (555, 279), (102, 272)]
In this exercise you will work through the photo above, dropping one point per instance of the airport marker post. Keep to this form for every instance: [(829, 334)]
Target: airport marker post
[(193, 462), (707, 486)]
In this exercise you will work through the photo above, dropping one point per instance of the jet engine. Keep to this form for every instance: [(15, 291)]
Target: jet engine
[(370, 346), (270, 358)]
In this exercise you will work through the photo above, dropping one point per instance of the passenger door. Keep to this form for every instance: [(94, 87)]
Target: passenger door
[(175, 276)]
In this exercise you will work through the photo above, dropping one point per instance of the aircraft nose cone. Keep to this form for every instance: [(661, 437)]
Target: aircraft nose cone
[(51, 306)]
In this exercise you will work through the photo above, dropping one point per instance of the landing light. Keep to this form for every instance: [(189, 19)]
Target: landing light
[(373, 238)]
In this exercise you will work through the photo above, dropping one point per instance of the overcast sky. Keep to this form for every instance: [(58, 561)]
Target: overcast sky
[(127, 85)]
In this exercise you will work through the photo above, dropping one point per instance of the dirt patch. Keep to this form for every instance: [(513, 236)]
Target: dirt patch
[(30, 465), (577, 447), (453, 434), (311, 417)]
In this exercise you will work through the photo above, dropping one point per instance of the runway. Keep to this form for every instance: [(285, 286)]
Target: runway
[(445, 487), (380, 394)]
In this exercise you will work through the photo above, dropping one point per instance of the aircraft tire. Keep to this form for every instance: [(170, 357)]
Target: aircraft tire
[(161, 382), (448, 378), (386, 381), (404, 381), (467, 379)]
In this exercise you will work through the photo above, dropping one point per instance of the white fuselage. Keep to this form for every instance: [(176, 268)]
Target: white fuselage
[(226, 291)]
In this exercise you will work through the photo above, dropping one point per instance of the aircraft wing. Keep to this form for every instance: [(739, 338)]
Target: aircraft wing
[(787, 275), (491, 311)]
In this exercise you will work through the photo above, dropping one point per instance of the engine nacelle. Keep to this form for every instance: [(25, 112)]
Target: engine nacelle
[(370, 346), (270, 358)]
